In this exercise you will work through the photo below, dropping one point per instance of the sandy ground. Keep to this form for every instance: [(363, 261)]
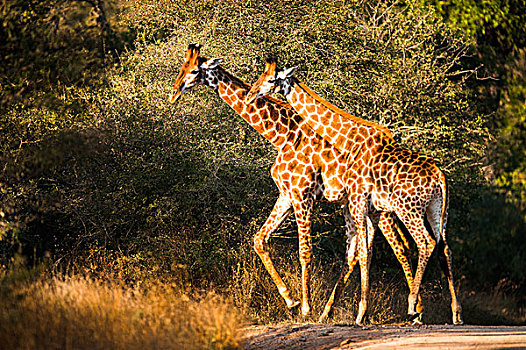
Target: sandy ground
[(326, 336)]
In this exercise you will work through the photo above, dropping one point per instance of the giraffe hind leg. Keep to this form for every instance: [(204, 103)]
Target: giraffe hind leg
[(281, 211), (444, 257), (364, 258), (351, 259), (425, 244), (399, 244), (434, 212), (365, 235)]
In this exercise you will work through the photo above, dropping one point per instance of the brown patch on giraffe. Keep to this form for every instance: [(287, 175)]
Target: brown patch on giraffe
[(280, 128), (238, 106), (287, 157), (301, 99), (369, 142), (326, 154), (227, 99), (260, 103), (250, 109), (303, 182), (337, 125), (285, 176), (332, 168)]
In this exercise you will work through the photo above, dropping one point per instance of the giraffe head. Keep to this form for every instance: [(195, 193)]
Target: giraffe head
[(193, 71), (271, 81)]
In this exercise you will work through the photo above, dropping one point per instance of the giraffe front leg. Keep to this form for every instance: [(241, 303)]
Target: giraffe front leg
[(306, 270), (281, 210), (365, 239)]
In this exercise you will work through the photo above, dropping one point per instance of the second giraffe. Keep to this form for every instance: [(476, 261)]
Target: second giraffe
[(381, 175)]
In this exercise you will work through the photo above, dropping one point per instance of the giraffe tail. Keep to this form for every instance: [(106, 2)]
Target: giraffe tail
[(445, 204)]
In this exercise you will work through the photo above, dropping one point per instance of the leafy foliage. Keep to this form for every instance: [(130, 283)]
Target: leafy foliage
[(51, 45), (496, 23)]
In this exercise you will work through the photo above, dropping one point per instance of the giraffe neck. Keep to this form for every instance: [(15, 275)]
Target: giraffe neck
[(265, 114), (336, 126)]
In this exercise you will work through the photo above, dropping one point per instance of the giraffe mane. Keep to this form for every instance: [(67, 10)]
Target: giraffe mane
[(343, 113)]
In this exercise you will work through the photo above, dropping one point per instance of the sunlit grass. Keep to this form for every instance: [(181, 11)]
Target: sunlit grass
[(81, 313), (38, 311)]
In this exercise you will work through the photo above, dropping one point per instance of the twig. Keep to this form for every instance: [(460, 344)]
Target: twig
[(471, 72)]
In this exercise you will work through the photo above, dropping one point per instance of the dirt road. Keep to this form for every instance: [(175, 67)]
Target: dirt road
[(324, 337)]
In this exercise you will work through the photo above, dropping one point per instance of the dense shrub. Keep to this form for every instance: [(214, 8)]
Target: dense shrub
[(395, 64), (126, 184)]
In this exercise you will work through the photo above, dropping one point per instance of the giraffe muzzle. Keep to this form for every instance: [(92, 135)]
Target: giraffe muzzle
[(173, 98), (176, 93)]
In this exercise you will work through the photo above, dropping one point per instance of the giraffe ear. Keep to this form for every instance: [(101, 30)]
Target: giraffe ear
[(286, 73), (211, 63)]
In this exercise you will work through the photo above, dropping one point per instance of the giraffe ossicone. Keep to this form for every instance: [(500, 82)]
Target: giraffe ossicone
[(381, 175)]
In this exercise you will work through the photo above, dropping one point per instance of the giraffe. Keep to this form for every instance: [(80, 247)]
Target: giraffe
[(306, 166), (382, 175)]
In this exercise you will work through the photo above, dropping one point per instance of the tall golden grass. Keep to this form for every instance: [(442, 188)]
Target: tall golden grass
[(82, 313), (39, 311), (254, 292)]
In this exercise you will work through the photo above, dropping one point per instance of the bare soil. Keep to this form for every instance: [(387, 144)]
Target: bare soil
[(327, 336)]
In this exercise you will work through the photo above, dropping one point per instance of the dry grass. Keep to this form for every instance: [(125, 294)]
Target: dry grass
[(493, 307), (255, 293), (80, 313), (83, 313)]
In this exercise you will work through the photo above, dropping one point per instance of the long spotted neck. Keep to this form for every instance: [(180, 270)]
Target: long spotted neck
[(338, 127), (263, 114)]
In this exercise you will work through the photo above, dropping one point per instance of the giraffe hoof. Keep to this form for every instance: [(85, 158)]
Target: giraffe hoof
[(458, 321), (362, 322), (417, 322), (327, 313), (323, 318), (414, 317)]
